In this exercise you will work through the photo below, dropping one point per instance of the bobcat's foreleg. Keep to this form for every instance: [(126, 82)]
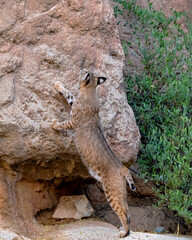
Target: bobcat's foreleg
[(66, 125), (70, 98)]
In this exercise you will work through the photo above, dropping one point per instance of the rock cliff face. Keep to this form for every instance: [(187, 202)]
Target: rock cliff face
[(42, 42), (49, 41)]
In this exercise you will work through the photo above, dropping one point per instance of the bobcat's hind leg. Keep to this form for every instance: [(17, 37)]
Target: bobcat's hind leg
[(117, 197), (70, 98)]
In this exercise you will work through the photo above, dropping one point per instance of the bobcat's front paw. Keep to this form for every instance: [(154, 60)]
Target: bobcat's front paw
[(59, 86), (55, 124)]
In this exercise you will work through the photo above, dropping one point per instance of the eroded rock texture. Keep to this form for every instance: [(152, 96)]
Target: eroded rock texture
[(49, 41), (42, 42)]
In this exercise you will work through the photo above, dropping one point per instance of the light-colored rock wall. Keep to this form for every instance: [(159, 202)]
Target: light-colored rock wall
[(42, 42)]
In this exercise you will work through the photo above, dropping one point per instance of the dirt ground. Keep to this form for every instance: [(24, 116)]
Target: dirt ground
[(85, 229), (97, 230), (144, 217)]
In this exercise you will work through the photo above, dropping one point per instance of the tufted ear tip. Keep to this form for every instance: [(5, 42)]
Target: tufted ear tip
[(101, 80)]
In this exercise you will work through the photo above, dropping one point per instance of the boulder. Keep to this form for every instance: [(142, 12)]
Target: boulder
[(75, 207), (42, 42)]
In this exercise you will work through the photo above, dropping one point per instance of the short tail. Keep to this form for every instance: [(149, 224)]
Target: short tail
[(129, 178)]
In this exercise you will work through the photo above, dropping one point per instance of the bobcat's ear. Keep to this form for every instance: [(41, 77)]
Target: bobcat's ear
[(87, 79), (101, 80)]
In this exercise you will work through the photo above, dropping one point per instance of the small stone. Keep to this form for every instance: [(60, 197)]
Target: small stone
[(75, 207), (159, 230)]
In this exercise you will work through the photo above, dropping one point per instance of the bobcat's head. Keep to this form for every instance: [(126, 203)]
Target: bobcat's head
[(89, 80)]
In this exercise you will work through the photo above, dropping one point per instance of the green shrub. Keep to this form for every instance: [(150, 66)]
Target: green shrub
[(161, 97)]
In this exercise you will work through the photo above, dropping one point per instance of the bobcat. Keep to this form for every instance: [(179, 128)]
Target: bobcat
[(95, 152)]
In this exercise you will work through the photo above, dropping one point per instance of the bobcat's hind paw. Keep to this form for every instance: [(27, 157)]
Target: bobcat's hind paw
[(123, 233)]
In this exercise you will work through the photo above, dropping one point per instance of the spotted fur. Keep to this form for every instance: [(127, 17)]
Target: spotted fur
[(95, 152), (67, 95)]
